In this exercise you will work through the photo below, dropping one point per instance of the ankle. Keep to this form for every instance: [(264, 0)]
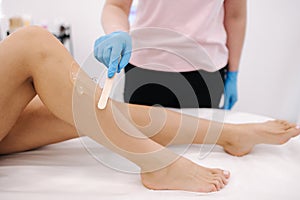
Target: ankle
[(155, 180), (227, 134)]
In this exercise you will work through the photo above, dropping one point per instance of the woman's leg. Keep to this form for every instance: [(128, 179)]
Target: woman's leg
[(36, 127), (34, 62), (236, 139)]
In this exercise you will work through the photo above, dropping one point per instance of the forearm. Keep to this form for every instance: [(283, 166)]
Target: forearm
[(235, 24), (115, 18)]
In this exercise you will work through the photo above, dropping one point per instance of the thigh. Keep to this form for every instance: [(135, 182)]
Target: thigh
[(16, 85), (36, 127)]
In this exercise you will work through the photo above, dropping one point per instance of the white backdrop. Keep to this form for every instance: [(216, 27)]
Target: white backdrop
[(270, 68), (270, 65), (84, 16), (0, 8)]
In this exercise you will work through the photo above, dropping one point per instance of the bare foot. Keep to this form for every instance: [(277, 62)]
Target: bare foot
[(241, 138), (186, 175)]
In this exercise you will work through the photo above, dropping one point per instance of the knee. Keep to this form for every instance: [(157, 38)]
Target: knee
[(31, 35), (34, 41)]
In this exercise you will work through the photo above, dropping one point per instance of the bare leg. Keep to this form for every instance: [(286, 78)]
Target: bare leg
[(236, 139), (36, 127), (39, 64)]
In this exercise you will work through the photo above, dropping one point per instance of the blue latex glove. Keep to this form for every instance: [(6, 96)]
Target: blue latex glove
[(230, 90), (109, 48)]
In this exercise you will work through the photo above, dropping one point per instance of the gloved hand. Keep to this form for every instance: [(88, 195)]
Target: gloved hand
[(230, 90), (109, 48)]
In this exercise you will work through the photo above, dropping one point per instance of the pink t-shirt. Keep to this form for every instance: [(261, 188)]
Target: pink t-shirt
[(179, 35)]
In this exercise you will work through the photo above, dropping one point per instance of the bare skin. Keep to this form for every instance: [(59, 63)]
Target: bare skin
[(32, 58)]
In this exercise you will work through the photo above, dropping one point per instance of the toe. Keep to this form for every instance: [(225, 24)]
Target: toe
[(226, 174), (216, 184), (281, 121), (292, 125), (285, 124), (223, 179), (220, 180), (222, 173), (293, 132), (287, 135), (289, 125), (212, 188), (278, 123)]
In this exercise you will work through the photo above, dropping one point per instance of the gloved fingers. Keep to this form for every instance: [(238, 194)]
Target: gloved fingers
[(109, 48), (98, 50), (99, 46), (114, 61), (230, 100), (124, 61), (106, 54), (99, 41), (226, 103), (233, 100), (112, 69), (230, 104), (126, 54)]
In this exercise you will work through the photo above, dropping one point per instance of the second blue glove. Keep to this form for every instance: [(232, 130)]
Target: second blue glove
[(109, 48), (230, 90)]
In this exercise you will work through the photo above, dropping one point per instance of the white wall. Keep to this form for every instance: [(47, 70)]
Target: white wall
[(270, 68), (270, 65), (0, 8), (84, 17), (0, 19)]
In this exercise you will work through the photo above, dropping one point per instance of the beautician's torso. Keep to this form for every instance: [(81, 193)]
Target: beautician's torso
[(200, 20)]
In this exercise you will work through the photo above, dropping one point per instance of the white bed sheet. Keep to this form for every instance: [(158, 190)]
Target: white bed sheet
[(68, 171)]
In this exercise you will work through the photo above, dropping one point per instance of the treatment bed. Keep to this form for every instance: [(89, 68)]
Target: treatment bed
[(69, 171)]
